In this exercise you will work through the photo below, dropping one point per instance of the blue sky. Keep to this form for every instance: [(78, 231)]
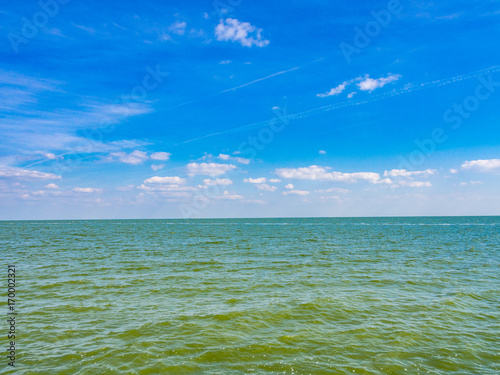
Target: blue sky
[(249, 109)]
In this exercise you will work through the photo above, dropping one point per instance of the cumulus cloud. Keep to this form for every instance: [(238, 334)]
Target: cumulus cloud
[(163, 156), (370, 84), (165, 180), (274, 180), (244, 33), (51, 186), (334, 91), (317, 173), (26, 174), (86, 190), (406, 173), (259, 180), (486, 165), (289, 186), (209, 169), (265, 187), (217, 181), (296, 192)]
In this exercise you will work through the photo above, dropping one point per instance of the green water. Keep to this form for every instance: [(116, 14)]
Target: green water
[(257, 296)]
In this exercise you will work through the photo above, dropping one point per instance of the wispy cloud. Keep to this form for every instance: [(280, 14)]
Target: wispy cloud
[(259, 180), (135, 158), (335, 91), (318, 173), (208, 169), (405, 173), (86, 190), (165, 180), (296, 192), (228, 196), (26, 174), (217, 182), (178, 27)]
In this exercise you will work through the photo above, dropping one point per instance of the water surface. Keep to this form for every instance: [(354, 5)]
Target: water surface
[(259, 296)]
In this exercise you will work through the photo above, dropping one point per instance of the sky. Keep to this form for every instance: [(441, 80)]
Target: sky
[(239, 108)]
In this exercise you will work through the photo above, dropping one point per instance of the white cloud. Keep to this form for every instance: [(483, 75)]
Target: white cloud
[(274, 180), (218, 181), (157, 167), (168, 190), (44, 193), (86, 190), (486, 165), (27, 174), (331, 190), (296, 192), (370, 84), (351, 94), (223, 62), (265, 187), (135, 158), (51, 186), (334, 91), (227, 195), (227, 157), (244, 33), (322, 152), (125, 188), (165, 180), (209, 169), (289, 186), (414, 183), (454, 171), (237, 158), (259, 180), (315, 172), (224, 157), (178, 28), (163, 156), (405, 173)]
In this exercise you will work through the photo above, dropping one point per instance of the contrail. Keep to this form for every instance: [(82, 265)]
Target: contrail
[(351, 103), (248, 83), (260, 79)]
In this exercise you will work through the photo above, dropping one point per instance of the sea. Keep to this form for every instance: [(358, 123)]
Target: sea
[(408, 295)]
